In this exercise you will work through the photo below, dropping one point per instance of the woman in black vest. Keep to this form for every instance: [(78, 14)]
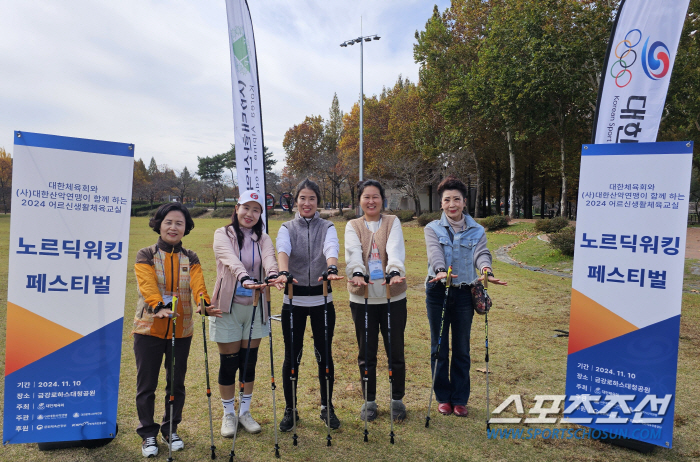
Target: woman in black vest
[(307, 246)]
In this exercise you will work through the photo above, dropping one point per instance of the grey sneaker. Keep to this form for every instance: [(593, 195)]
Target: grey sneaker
[(229, 424), (177, 445), (149, 447), (371, 411), (249, 423), (398, 409)]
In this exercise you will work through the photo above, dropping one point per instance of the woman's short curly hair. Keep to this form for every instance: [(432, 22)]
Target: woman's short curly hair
[(452, 183), (165, 209)]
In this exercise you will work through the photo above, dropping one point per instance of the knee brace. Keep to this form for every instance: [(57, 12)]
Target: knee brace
[(252, 360), (228, 365)]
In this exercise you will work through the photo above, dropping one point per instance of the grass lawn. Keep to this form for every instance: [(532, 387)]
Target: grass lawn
[(535, 252), (525, 359)]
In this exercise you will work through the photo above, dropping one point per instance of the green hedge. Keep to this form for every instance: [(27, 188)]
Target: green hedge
[(427, 217), (223, 212), (552, 225), (197, 211), (564, 240), (404, 215), (495, 222), (349, 215), (136, 209)]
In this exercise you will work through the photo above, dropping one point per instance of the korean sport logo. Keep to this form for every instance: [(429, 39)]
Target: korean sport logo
[(654, 60), (656, 57), (239, 47)]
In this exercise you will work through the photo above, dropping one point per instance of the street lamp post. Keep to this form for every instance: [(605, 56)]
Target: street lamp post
[(361, 40)]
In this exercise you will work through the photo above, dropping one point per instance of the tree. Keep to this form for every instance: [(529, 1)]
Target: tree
[(303, 144), (152, 167), (140, 179), (5, 179), (408, 168), (184, 182), (210, 170)]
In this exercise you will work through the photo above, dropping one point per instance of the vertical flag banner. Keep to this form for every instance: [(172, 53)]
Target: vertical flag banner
[(627, 286), (637, 70), (69, 240), (247, 118)]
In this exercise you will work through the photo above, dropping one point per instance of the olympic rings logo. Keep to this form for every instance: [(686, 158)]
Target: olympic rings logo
[(626, 57), (654, 58)]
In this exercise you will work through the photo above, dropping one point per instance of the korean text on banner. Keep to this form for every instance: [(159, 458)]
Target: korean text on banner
[(247, 118), (69, 240), (627, 284), (637, 71)]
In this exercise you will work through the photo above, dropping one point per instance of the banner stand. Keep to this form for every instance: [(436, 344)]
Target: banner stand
[(630, 443), (87, 444)]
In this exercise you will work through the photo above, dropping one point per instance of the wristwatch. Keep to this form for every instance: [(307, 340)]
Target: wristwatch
[(332, 269), (440, 270)]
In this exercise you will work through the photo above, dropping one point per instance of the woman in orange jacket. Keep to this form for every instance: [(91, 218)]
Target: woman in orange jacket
[(165, 270)]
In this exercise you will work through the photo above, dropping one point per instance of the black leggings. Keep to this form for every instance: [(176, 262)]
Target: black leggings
[(315, 313)]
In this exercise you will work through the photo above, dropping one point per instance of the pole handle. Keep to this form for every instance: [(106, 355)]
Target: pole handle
[(388, 289), (256, 296), (325, 284), (202, 308), (367, 286), (486, 279), (290, 287)]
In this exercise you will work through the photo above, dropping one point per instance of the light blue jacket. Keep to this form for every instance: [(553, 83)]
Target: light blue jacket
[(458, 252)]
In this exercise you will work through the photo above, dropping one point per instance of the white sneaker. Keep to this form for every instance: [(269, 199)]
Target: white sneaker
[(229, 425), (149, 447), (249, 423), (178, 444)]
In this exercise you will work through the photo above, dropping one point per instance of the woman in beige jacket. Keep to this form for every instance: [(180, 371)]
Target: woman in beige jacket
[(245, 257)]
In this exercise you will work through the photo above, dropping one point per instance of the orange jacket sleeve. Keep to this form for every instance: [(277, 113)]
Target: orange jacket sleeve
[(148, 283)]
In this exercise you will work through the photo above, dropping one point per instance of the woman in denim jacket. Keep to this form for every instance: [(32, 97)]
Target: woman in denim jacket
[(455, 240)]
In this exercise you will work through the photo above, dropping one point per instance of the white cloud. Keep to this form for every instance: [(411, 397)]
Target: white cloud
[(157, 74)]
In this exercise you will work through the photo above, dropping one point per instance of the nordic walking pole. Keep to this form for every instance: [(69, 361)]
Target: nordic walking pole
[(486, 331), (293, 379), (203, 312), (365, 379), (172, 382), (241, 379), (272, 368), (391, 375), (325, 334), (448, 283)]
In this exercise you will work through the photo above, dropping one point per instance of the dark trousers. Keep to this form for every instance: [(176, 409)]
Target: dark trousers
[(377, 321), (149, 352), (315, 314), (452, 383)]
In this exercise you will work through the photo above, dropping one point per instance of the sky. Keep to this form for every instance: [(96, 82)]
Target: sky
[(158, 74)]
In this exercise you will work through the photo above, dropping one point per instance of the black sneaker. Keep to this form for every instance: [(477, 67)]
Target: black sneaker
[(335, 422), (287, 423)]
